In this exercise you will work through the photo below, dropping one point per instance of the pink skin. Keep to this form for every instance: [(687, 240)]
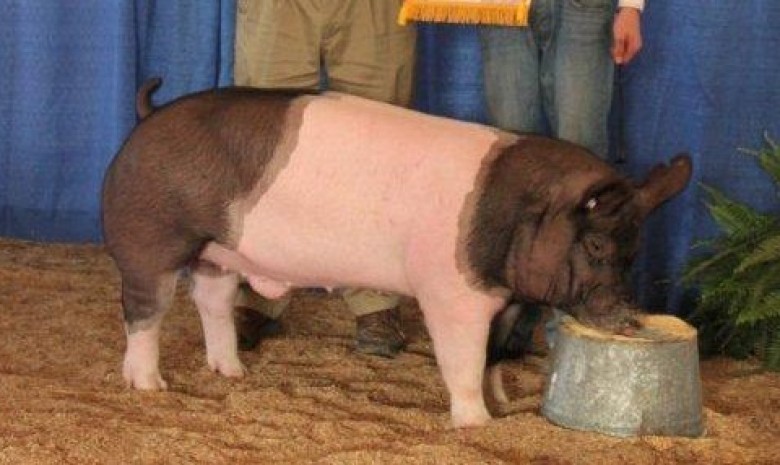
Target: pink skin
[(390, 222), (627, 35), (141, 366), (214, 295)]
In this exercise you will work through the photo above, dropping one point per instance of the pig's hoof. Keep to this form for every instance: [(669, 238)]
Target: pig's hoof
[(470, 420), (230, 369), (472, 423), (145, 381)]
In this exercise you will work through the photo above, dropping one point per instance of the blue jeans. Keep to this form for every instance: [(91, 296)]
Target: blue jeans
[(555, 76)]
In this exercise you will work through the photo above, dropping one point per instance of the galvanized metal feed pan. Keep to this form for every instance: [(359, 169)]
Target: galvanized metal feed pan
[(647, 384)]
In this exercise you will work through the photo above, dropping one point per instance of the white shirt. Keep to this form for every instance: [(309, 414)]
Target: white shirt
[(638, 4)]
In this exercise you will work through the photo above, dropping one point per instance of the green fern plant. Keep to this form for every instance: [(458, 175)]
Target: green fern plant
[(738, 276)]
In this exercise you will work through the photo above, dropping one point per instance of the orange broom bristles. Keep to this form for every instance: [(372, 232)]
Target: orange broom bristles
[(498, 12)]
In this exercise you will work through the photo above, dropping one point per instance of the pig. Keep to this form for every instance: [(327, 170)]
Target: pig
[(286, 189)]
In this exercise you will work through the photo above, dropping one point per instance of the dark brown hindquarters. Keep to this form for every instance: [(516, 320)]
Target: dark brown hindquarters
[(166, 193)]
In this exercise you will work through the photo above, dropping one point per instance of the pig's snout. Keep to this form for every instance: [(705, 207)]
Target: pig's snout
[(619, 320), (609, 311)]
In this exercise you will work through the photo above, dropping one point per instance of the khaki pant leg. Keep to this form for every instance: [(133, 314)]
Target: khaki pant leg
[(277, 43), (365, 301), (368, 54)]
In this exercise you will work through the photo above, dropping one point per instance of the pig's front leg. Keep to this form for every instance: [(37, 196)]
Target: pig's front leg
[(459, 331), (214, 293)]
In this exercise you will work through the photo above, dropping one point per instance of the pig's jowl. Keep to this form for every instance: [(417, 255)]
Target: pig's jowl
[(292, 190)]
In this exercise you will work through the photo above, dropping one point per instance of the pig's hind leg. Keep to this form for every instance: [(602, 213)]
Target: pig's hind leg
[(145, 299), (214, 292), (149, 261)]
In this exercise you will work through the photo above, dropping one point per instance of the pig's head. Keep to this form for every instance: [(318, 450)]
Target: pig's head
[(571, 226)]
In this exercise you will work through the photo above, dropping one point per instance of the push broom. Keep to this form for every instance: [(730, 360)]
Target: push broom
[(496, 12)]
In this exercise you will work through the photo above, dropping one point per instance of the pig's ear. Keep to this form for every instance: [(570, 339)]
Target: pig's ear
[(663, 182), (606, 199)]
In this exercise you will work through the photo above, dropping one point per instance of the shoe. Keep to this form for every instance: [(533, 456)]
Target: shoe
[(380, 333), (252, 326)]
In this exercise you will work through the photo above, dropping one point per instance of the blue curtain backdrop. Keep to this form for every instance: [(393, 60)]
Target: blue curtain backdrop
[(707, 82), (69, 70)]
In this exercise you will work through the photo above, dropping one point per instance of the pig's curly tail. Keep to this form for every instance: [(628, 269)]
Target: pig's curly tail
[(143, 100)]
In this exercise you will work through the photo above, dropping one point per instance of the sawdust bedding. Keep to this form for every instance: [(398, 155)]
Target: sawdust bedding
[(307, 399)]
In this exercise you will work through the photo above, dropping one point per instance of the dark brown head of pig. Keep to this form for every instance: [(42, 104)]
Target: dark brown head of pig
[(559, 226)]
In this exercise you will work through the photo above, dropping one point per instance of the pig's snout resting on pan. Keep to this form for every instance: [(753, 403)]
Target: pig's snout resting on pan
[(298, 190)]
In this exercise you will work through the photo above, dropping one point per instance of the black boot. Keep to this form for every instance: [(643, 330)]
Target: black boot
[(252, 326), (380, 333)]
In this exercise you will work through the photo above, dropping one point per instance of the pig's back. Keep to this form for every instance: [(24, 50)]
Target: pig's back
[(353, 182)]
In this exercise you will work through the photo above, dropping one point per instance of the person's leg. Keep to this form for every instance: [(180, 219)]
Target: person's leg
[(366, 52), (577, 75), (583, 73), (277, 44), (378, 321), (512, 72)]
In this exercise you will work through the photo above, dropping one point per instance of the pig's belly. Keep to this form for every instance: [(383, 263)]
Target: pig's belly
[(309, 254), (326, 225)]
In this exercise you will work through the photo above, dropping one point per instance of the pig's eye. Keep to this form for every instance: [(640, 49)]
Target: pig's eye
[(596, 245), (591, 203)]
